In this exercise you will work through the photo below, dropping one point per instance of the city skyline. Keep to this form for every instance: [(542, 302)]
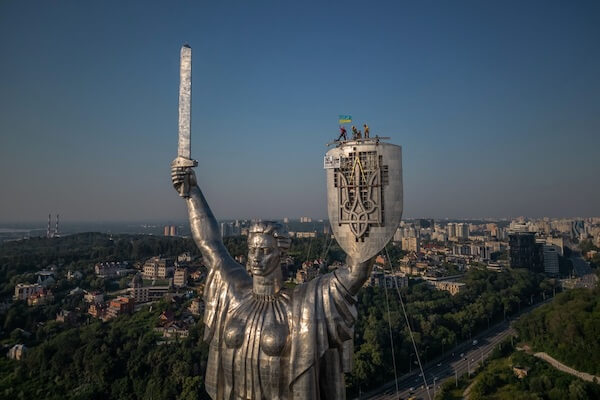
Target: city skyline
[(497, 107)]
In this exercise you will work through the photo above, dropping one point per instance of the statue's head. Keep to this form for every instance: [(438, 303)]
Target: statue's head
[(268, 241)]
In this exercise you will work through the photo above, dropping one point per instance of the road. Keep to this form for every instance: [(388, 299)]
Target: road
[(585, 276), (462, 359)]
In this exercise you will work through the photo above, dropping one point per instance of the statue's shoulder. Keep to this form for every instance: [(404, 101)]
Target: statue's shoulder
[(227, 274), (312, 287)]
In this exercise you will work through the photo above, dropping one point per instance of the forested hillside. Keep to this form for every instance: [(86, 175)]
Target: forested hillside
[(567, 329), (116, 360), (122, 358)]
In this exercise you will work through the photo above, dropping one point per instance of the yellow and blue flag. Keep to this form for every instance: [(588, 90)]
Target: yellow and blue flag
[(345, 119)]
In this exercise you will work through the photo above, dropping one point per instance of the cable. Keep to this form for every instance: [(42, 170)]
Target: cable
[(412, 338), (309, 247), (326, 250), (387, 304)]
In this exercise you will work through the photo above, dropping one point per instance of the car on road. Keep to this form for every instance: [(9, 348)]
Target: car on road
[(475, 342), (439, 364)]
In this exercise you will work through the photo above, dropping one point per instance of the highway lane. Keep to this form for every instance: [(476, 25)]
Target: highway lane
[(462, 359), (587, 278), (451, 366)]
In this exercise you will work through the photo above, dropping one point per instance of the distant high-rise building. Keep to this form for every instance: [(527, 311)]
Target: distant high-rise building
[(550, 260), (170, 230), (410, 244), (462, 231), (305, 219), (225, 230), (557, 242), (451, 228), (501, 235), (49, 232), (236, 228), (577, 229), (398, 235), (524, 252), (440, 236), (493, 229)]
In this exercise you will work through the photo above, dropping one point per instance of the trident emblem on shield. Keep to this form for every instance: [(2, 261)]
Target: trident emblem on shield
[(364, 195)]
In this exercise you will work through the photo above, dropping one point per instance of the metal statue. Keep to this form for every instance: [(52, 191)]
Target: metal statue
[(268, 341)]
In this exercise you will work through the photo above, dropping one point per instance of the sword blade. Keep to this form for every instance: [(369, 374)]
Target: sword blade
[(185, 102)]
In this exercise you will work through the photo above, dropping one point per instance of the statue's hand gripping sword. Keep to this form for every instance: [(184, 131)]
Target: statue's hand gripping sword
[(184, 151)]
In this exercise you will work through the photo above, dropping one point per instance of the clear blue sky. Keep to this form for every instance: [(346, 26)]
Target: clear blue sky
[(496, 104)]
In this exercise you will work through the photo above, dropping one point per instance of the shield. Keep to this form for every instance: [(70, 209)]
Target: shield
[(364, 195)]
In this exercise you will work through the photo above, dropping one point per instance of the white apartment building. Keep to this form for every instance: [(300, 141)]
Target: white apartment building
[(180, 277), (158, 267)]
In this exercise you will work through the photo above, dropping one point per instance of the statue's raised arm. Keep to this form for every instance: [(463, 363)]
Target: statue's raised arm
[(203, 225)]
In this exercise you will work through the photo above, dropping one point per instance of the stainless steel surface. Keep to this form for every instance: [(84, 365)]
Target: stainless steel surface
[(271, 342), (364, 195), (267, 341), (184, 149), (185, 102)]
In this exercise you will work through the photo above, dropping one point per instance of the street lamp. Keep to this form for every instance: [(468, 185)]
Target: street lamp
[(434, 379), (481, 354), (456, 375)]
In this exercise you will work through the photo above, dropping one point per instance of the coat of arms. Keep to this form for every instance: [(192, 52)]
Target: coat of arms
[(364, 191)]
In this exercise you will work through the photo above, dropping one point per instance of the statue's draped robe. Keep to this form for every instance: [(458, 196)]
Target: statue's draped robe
[(319, 316)]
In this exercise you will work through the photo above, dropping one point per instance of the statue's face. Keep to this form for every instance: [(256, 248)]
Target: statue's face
[(263, 254)]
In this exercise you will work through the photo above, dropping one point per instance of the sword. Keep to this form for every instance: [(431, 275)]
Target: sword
[(184, 150)]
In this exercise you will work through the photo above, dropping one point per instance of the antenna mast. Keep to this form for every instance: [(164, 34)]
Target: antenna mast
[(56, 228)]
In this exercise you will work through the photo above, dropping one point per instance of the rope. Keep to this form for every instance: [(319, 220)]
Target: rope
[(326, 249), (387, 304), (412, 338), (309, 247)]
